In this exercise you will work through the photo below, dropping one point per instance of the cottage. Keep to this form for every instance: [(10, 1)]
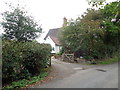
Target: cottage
[(52, 38)]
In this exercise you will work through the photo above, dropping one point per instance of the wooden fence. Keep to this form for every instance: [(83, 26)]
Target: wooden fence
[(68, 57)]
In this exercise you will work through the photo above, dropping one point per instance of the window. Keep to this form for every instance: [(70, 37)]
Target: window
[(53, 49)]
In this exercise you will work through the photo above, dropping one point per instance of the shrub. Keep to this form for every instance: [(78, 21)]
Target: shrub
[(23, 59), (23, 83)]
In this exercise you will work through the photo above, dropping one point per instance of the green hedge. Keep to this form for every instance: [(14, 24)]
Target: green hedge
[(21, 60)]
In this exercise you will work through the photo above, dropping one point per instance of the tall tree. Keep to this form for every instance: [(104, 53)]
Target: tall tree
[(112, 22), (19, 26), (95, 33), (83, 35)]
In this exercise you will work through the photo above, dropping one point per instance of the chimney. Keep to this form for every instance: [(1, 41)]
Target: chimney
[(64, 21)]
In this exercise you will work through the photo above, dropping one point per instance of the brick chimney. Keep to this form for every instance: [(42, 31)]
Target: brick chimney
[(64, 21)]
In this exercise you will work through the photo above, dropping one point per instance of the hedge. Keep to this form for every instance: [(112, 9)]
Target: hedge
[(21, 60)]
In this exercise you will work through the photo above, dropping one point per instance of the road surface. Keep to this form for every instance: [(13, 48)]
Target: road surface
[(71, 75)]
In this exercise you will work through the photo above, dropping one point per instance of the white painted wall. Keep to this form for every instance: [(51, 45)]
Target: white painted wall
[(50, 41), (55, 48)]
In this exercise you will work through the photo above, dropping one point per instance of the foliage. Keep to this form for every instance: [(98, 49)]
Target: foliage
[(25, 82), (61, 51), (114, 59), (112, 29), (96, 2), (110, 61), (19, 26), (84, 35), (67, 37), (94, 35), (22, 60)]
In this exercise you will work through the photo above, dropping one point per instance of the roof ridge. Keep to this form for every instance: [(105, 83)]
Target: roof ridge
[(55, 28), (51, 31)]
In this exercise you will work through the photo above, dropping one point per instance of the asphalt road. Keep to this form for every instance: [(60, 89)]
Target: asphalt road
[(71, 75)]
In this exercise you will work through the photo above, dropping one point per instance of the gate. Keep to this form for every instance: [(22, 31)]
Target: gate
[(68, 57)]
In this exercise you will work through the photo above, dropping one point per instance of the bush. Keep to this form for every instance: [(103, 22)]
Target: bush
[(23, 83), (22, 60)]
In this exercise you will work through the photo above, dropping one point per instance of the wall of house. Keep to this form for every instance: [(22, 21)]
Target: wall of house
[(50, 41), (57, 49)]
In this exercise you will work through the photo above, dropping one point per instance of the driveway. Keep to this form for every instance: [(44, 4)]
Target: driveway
[(72, 75)]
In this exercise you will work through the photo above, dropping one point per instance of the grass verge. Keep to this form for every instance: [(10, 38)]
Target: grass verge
[(115, 59), (24, 82), (110, 61)]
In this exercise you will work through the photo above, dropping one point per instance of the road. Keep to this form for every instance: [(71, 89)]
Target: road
[(71, 75)]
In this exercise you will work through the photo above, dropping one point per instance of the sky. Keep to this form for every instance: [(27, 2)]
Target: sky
[(50, 13)]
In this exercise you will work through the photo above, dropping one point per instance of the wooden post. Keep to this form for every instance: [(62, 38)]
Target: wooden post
[(50, 61)]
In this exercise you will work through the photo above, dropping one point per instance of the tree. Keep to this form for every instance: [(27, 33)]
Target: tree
[(96, 3), (18, 26), (84, 35), (110, 23), (94, 35), (112, 28)]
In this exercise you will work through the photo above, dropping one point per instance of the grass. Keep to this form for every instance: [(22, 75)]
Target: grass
[(106, 61), (24, 82), (110, 61)]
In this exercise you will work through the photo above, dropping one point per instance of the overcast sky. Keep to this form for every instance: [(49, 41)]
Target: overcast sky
[(50, 13)]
